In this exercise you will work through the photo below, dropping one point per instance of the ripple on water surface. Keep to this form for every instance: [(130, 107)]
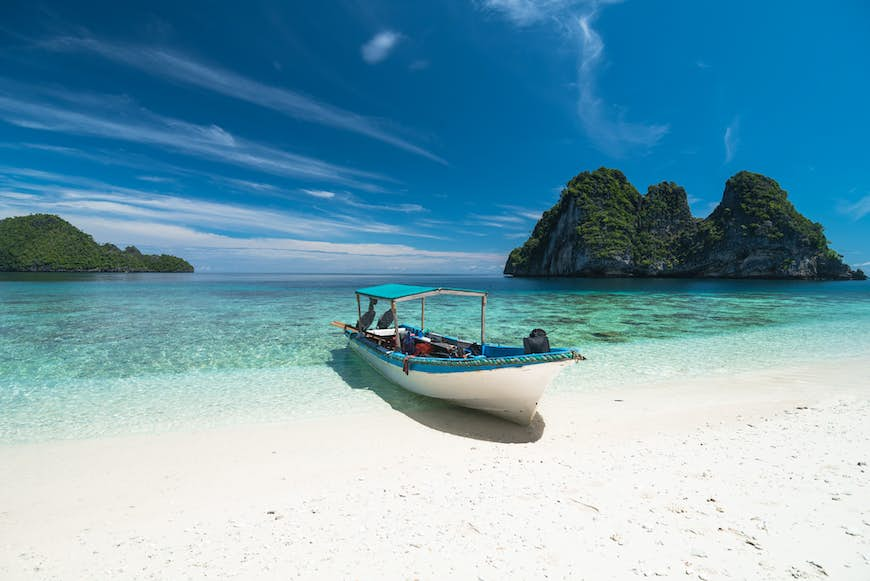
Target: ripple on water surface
[(85, 356)]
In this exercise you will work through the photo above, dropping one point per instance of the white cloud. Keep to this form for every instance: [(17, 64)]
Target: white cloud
[(730, 139), (527, 12), (144, 127), (606, 128), (74, 196), (515, 217), (604, 124), (525, 212), (500, 218), (404, 208), (326, 195), (176, 235), (379, 47), (12, 195), (286, 253), (182, 69), (347, 199), (249, 237), (102, 156), (857, 209), (247, 185)]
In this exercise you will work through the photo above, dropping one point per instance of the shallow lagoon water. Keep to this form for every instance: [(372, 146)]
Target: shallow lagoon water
[(104, 354)]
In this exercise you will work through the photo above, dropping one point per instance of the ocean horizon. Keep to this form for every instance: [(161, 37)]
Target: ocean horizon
[(94, 355)]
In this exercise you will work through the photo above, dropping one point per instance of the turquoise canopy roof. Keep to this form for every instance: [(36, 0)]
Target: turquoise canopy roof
[(397, 292)]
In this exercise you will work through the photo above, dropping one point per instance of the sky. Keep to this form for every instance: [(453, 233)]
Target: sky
[(426, 137)]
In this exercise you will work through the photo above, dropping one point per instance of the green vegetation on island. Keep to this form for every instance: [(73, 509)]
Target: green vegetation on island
[(602, 226), (47, 243)]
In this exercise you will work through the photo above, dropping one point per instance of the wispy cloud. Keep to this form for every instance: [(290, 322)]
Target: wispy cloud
[(856, 210), (184, 226), (514, 217), (524, 212), (605, 127), (731, 140), (604, 124), (379, 47), (247, 185), (399, 207), (286, 251), (323, 194), (117, 157), (25, 190), (11, 195), (72, 195), (105, 119), (348, 199), (500, 219), (127, 158), (528, 12), (180, 68)]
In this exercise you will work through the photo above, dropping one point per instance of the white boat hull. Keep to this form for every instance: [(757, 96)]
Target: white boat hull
[(510, 392)]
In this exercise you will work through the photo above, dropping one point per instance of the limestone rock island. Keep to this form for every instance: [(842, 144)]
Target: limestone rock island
[(602, 226)]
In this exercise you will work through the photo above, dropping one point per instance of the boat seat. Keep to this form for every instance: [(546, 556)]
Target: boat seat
[(382, 332)]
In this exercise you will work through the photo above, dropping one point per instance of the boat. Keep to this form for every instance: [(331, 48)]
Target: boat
[(504, 381)]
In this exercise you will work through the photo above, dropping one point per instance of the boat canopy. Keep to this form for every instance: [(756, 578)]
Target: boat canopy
[(406, 292)]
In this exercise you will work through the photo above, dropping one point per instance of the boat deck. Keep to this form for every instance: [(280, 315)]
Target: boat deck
[(491, 357)]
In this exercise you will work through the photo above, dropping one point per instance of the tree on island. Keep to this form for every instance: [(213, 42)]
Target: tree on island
[(48, 243), (602, 226)]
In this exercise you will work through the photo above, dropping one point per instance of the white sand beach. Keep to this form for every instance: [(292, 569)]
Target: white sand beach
[(758, 475)]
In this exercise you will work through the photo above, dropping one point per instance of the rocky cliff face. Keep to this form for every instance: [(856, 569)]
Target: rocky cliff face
[(602, 226)]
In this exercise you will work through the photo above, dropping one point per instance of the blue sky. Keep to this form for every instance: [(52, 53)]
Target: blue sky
[(417, 136)]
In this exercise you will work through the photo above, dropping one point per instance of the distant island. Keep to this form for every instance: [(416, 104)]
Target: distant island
[(48, 243), (602, 226)]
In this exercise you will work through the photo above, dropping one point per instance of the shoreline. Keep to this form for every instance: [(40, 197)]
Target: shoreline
[(606, 484)]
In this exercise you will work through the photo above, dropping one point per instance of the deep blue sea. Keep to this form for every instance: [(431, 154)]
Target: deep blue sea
[(89, 355)]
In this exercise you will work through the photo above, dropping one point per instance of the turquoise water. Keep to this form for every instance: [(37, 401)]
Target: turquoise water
[(102, 354)]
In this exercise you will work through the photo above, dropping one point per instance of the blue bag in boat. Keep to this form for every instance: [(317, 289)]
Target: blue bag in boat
[(408, 343)]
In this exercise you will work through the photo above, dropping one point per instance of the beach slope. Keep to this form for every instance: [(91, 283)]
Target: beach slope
[(760, 475)]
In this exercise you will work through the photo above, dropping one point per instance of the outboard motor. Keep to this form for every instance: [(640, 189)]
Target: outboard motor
[(536, 342)]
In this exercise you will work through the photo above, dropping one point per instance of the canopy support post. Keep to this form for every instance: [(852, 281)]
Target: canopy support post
[(358, 312), (397, 341), (482, 319), (422, 313)]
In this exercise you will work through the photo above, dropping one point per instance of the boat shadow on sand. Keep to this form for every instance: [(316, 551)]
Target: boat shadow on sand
[(432, 413)]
